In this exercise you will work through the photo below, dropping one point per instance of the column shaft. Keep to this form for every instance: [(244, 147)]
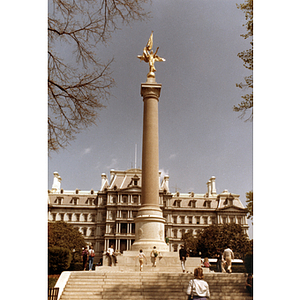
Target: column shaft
[(150, 188)]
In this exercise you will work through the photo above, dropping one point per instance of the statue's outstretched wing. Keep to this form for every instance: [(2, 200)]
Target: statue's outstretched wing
[(158, 58), (144, 57), (150, 42)]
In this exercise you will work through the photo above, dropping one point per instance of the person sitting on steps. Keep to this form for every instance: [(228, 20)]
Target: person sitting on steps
[(111, 254)]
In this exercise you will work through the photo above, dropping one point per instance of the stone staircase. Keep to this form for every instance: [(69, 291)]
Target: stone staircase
[(91, 285)]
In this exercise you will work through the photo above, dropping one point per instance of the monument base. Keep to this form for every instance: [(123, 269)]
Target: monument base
[(165, 262), (149, 225)]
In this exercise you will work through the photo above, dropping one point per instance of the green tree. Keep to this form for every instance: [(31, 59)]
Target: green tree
[(249, 206), (218, 237), (247, 56), (59, 259), (191, 244), (66, 236), (78, 80)]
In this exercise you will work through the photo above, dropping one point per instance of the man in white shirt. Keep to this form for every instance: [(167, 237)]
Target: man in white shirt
[(227, 257), (111, 253)]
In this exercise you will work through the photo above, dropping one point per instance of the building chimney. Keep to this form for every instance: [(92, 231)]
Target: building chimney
[(103, 181), (208, 188), (165, 183), (213, 185), (56, 182)]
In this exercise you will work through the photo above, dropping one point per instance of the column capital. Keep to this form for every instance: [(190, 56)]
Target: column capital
[(150, 90)]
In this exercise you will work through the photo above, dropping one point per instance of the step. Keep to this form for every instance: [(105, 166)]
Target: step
[(148, 285)]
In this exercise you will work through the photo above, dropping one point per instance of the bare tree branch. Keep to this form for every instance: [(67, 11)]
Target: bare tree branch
[(79, 82)]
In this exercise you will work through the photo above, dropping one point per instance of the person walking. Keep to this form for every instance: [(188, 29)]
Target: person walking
[(198, 288), (84, 257), (182, 257), (153, 256), (227, 257), (219, 260), (91, 258), (141, 257)]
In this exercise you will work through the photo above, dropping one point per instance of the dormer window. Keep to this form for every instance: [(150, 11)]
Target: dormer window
[(59, 200), (177, 203), (134, 181), (192, 203), (74, 200), (207, 204), (90, 201), (229, 200)]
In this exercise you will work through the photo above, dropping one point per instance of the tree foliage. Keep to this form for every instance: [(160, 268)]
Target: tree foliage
[(247, 56), (191, 244), (78, 80), (64, 235), (59, 259), (218, 237), (249, 206)]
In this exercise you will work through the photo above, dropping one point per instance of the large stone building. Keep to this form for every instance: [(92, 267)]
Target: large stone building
[(106, 216)]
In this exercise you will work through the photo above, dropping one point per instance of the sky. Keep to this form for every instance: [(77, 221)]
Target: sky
[(199, 133)]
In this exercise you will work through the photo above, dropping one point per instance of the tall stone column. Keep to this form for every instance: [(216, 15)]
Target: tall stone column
[(149, 222)]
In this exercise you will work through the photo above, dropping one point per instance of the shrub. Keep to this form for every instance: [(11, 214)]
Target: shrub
[(248, 262), (52, 279), (65, 235), (59, 259)]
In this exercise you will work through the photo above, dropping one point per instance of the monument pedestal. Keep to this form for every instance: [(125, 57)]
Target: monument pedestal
[(150, 230)]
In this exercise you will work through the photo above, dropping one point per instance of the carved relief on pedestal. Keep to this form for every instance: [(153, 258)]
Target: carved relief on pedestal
[(140, 233), (161, 234)]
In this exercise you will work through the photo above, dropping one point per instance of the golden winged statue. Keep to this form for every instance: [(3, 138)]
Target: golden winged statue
[(149, 57)]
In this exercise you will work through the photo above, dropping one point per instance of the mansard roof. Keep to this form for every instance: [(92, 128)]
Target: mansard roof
[(232, 208), (131, 180), (123, 179)]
